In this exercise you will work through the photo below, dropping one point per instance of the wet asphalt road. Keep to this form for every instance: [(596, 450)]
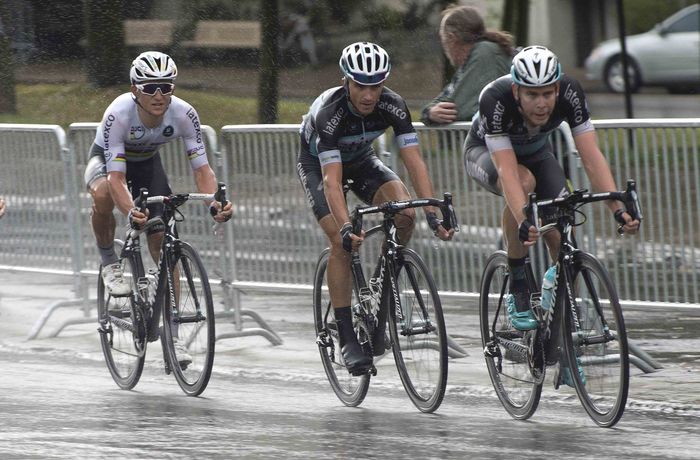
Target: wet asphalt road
[(57, 399), (58, 406)]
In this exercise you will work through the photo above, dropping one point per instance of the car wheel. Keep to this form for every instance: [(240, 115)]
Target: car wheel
[(614, 79)]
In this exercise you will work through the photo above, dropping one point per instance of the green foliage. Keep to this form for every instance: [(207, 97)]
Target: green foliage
[(63, 104), (104, 30), (642, 15), (7, 75)]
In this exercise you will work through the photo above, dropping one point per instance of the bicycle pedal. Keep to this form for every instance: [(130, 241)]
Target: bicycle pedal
[(371, 370), (491, 350)]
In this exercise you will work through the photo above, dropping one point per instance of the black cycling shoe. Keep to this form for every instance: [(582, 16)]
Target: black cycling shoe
[(355, 359)]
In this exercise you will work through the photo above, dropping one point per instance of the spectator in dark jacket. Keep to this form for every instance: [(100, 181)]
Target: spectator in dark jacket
[(479, 55)]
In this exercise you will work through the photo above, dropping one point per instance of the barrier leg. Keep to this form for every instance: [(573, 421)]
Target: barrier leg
[(233, 310)]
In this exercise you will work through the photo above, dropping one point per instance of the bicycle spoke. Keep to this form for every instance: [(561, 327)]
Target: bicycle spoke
[(351, 390), (419, 338), (123, 342), (509, 370), (190, 334), (598, 346)]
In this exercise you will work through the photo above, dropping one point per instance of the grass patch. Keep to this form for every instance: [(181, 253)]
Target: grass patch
[(63, 104)]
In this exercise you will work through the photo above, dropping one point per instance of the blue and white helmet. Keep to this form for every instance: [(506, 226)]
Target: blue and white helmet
[(365, 63), (535, 66), (152, 66)]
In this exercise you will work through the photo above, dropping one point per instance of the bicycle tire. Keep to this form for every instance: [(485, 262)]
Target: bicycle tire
[(194, 320), (351, 390), (122, 330), (418, 336), (603, 358), (516, 387)]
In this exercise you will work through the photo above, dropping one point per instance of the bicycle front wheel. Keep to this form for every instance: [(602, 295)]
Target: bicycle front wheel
[(417, 328), (188, 322), (351, 390), (596, 348), (122, 331), (504, 346)]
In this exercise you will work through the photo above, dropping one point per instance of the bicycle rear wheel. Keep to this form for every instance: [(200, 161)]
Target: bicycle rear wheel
[(351, 390), (418, 335), (122, 331), (509, 370), (189, 321), (599, 344)]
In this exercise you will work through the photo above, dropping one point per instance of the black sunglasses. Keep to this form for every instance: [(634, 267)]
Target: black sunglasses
[(151, 89)]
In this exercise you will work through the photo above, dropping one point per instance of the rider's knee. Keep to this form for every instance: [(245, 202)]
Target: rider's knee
[(527, 180), (406, 219), (102, 203)]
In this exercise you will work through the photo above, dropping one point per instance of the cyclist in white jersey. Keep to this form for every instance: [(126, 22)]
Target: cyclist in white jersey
[(124, 158)]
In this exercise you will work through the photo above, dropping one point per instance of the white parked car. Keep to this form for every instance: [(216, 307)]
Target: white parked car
[(668, 55)]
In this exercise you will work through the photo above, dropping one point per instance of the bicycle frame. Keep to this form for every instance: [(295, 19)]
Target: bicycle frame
[(391, 251)]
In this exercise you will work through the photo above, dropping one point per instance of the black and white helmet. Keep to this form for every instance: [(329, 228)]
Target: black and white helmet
[(365, 63), (535, 66), (152, 66)]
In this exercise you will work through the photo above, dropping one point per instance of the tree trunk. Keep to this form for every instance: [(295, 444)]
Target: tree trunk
[(516, 20), (269, 62), (104, 30), (8, 100)]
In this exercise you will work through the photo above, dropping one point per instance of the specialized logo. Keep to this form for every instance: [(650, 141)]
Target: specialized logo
[(136, 133), (333, 123), (305, 185), (398, 112), (168, 131)]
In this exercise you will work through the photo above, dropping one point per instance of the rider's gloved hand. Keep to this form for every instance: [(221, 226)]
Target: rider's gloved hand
[(221, 214), (137, 219), (619, 216), (346, 236), (433, 221), (630, 226), (524, 231)]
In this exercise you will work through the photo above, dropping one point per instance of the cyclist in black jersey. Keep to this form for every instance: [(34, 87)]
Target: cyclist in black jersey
[(336, 148), (508, 151)]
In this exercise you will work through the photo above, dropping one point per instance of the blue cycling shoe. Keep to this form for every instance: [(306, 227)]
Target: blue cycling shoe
[(521, 320), (564, 375)]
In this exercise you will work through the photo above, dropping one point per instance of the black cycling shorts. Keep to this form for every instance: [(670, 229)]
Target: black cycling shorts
[(364, 176), (549, 175), (139, 174)]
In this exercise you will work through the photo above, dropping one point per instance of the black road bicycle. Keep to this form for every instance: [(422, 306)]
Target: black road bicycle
[(179, 291), (584, 331), (400, 289)]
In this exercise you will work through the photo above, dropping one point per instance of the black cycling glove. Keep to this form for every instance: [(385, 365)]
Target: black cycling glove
[(214, 211), (345, 232), (524, 231), (619, 216), (433, 221)]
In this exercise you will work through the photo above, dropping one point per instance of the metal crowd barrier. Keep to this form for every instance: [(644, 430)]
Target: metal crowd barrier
[(273, 241), (277, 240)]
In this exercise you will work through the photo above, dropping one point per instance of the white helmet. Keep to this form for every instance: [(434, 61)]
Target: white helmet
[(365, 63), (535, 66), (151, 66)]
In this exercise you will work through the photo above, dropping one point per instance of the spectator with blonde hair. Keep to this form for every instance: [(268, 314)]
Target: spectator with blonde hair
[(479, 55)]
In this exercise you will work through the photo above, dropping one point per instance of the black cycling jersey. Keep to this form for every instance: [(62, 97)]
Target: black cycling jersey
[(334, 132), (500, 125)]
